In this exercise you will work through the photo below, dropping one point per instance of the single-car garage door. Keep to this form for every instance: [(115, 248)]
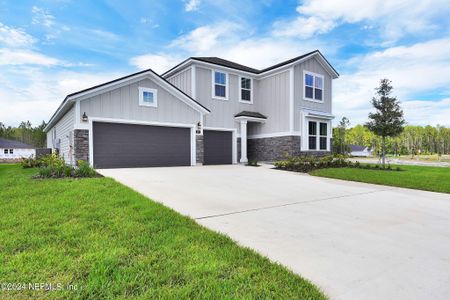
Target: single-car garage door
[(130, 146), (218, 147)]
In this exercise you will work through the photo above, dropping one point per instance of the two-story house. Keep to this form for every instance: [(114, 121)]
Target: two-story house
[(205, 110)]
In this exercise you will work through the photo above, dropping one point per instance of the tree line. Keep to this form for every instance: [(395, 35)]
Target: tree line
[(414, 140), (386, 133), (25, 133)]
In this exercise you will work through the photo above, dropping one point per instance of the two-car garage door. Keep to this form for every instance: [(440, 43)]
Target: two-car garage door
[(118, 145), (129, 145)]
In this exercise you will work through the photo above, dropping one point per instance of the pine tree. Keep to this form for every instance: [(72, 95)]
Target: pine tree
[(387, 120)]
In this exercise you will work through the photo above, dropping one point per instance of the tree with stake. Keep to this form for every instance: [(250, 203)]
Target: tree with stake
[(387, 120)]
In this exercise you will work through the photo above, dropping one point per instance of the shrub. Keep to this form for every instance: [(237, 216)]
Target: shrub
[(30, 162), (53, 166), (252, 163), (309, 163), (83, 169)]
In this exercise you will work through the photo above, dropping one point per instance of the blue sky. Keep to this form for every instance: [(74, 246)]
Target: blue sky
[(51, 48)]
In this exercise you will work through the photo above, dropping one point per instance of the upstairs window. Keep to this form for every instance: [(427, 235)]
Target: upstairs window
[(313, 87), (148, 97), (246, 90), (220, 82)]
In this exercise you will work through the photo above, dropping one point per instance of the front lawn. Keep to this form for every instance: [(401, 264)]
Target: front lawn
[(436, 179), (108, 241)]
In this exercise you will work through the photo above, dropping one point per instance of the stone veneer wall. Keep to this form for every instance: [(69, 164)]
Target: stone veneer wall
[(273, 148), (81, 144), (199, 149)]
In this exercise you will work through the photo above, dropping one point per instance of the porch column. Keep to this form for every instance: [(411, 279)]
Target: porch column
[(243, 141)]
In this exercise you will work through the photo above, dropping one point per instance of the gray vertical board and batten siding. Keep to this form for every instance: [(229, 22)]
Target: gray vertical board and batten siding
[(271, 97), (314, 66), (123, 103), (64, 132), (183, 81), (272, 100)]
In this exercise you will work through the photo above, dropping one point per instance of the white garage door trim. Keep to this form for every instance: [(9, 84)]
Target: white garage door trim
[(138, 122), (234, 139)]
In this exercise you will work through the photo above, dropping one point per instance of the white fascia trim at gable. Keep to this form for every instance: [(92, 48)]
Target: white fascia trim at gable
[(152, 76), (116, 84), (139, 122), (321, 60)]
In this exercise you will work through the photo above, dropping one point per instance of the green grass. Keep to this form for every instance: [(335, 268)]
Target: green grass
[(112, 242), (435, 179)]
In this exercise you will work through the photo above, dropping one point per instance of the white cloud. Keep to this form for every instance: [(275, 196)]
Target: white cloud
[(14, 37), (207, 37), (157, 62), (23, 57), (42, 17), (304, 27), (414, 70), (192, 5), (395, 17), (37, 92)]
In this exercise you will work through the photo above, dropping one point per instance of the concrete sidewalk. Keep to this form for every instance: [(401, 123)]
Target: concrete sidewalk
[(354, 240)]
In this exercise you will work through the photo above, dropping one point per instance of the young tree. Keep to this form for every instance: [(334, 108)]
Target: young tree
[(339, 137), (387, 120)]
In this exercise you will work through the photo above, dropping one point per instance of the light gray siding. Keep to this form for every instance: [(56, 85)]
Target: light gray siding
[(183, 81), (272, 100), (222, 111), (314, 66), (64, 132), (123, 103)]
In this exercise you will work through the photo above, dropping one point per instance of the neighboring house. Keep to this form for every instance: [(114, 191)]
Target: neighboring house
[(12, 150), (360, 151), (205, 110)]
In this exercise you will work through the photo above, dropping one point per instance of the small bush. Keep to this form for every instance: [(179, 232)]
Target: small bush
[(53, 166), (307, 164), (30, 162), (252, 163), (84, 170)]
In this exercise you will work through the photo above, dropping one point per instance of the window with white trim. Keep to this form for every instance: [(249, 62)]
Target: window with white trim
[(312, 135), (148, 97), (323, 133), (246, 89), (11, 151), (313, 87), (5, 151), (220, 84)]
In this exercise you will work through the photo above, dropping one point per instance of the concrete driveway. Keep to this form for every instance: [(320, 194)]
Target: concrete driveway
[(354, 240)]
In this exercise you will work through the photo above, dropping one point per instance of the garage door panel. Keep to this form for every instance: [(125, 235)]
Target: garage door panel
[(218, 147), (129, 145)]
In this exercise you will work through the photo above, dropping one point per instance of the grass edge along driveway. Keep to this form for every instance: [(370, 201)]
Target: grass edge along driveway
[(111, 242), (434, 179)]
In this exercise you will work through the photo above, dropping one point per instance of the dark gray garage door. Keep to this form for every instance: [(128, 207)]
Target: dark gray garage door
[(131, 146), (218, 147)]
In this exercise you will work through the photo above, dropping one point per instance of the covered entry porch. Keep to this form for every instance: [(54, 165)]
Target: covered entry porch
[(244, 118)]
